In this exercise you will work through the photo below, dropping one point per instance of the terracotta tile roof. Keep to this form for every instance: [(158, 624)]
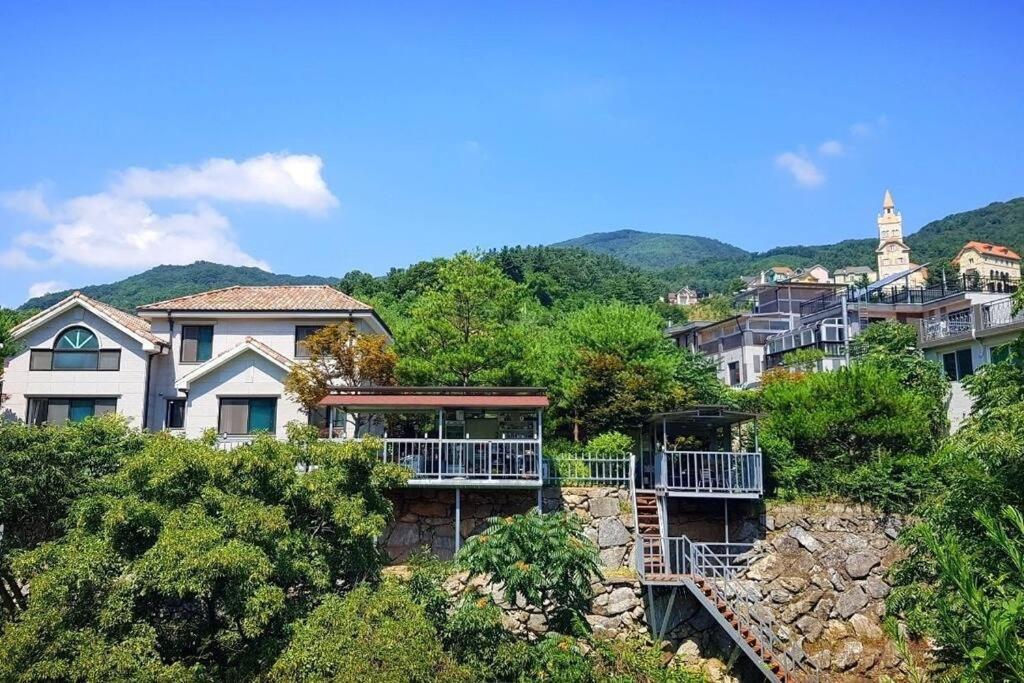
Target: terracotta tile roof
[(131, 322), (285, 360), (264, 298), (988, 249)]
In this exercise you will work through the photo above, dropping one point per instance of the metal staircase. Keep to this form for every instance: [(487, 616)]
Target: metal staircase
[(713, 574)]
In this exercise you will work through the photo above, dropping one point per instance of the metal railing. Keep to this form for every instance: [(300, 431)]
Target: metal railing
[(999, 313), (487, 459), (721, 566), (230, 443), (709, 472), (951, 325), (587, 470)]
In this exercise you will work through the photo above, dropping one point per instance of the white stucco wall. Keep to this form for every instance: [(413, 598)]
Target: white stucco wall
[(127, 385), (248, 375)]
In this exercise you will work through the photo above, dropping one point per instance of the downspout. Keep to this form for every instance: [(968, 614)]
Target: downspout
[(145, 400)]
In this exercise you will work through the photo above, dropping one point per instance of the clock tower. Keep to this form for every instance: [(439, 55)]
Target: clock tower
[(893, 254)]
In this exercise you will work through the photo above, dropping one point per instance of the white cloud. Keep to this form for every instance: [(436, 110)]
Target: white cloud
[(41, 288), (863, 129), (118, 228), (803, 170), (16, 258), (831, 148), (290, 180)]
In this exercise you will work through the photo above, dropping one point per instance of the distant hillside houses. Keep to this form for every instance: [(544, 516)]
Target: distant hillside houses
[(686, 296), (965, 319)]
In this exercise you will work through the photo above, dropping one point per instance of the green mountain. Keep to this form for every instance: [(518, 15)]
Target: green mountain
[(628, 265), (166, 282), (678, 260), (655, 251)]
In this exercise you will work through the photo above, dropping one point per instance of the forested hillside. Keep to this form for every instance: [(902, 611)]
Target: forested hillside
[(625, 265), (165, 282)]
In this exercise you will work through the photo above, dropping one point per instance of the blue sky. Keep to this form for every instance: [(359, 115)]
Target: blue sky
[(321, 139)]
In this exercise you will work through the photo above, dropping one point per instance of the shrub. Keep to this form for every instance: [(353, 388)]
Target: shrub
[(545, 559), (380, 635)]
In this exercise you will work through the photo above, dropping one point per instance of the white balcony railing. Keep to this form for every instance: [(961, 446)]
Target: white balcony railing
[(999, 313), (943, 326), (477, 459), (712, 473), (674, 556), (587, 470)]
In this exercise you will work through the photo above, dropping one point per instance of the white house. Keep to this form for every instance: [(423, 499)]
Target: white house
[(216, 360)]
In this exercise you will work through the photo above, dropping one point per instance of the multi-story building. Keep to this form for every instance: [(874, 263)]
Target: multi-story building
[(215, 360), (992, 262), (854, 275), (687, 296)]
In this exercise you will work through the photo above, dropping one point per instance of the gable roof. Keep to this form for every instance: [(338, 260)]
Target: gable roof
[(854, 269), (987, 249), (250, 344), (263, 298), (130, 324)]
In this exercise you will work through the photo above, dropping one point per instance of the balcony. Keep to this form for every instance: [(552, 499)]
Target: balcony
[(709, 474), (668, 560), (946, 326), (1000, 313), (484, 463)]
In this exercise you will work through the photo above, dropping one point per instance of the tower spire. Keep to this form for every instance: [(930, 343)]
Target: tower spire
[(887, 202)]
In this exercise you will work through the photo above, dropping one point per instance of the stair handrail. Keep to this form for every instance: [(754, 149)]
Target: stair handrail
[(724, 582), (638, 554)]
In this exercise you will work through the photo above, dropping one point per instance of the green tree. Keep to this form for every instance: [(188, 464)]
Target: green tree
[(43, 470), (378, 634), (464, 332), (607, 366), (194, 562), (545, 559), (857, 431), (982, 615), (8, 346), (340, 356)]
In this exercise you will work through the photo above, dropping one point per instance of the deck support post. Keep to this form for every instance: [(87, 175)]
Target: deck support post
[(668, 613), (458, 519), (540, 500), (726, 522), (651, 610)]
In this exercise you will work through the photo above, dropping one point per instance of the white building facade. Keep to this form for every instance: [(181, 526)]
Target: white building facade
[(215, 360)]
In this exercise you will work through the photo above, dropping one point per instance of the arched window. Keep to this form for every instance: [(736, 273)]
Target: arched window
[(76, 349)]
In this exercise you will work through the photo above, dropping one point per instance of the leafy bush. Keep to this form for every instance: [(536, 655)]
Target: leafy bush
[(610, 444), (858, 432), (370, 634), (191, 559), (545, 559)]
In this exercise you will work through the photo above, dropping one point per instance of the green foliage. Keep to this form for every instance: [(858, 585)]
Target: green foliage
[(190, 560), (545, 559), (982, 615), (804, 360), (610, 444), (43, 470), (464, 332), (716, 307), (843, 432), (167, 282), (8, 347), (377, 634), (607, 366)]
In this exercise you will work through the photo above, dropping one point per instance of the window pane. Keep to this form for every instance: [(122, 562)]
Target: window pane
[(37, 408), (189, 339), (80, 409), (301, 332), (204, 343), (261, 414), (104, 406), (175, 414), (77, 338), (57, 411), (949, 364), (965, 363), (234, 416), (75, 360), (110, 360), (40, 360)]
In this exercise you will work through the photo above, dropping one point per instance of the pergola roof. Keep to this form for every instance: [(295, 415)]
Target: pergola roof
[(707, 414), (438, 397)]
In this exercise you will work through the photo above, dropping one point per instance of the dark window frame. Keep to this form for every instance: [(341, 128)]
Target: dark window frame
[(167, 413), (312, 329), (181, 344), (54, 352), (47, 400), (248, 413)]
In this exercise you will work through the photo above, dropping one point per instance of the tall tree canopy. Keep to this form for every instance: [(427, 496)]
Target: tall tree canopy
[(191, 562), (465, 330)]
